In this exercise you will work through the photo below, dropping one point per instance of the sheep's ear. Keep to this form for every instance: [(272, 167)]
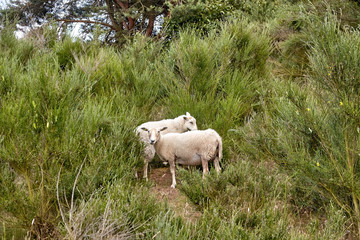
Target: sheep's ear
[(185, 117), (188, 114), (164, 128), (145, 129)]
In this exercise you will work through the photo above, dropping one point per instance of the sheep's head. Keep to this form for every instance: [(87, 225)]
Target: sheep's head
[(189, 123), (154, 134)]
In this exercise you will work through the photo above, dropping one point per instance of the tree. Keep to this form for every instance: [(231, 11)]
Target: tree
[(118, 18)]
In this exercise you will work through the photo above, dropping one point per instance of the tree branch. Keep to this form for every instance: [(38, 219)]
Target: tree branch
[(124, 6), (150, 26), (112, 13), (125, 25), (131, 22), (88, 21)]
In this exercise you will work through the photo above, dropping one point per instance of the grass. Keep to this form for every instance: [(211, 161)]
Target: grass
[(286, 107)]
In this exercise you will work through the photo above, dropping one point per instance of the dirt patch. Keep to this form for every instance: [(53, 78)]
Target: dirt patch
[(177, 201)]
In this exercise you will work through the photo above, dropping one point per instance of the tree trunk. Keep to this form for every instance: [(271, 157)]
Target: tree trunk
[(150, 26), (130, 24)]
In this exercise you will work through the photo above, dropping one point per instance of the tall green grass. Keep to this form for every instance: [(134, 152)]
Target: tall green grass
[(225, 72), (311, 129), (333, 64), (52, 118), (68, 148)]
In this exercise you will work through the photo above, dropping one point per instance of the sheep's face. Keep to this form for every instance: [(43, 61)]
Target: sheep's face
[(154, 134), (189, 122)]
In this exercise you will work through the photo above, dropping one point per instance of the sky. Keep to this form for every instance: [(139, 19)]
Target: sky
[(3, 3), (20, 34)]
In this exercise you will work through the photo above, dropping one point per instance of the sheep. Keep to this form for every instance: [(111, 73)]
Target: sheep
[(190, 148), (180, 124)]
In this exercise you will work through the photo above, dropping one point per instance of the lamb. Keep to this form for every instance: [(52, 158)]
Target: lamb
[(180, 124), (190, 148)]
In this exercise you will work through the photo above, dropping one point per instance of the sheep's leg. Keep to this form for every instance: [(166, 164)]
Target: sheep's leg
[(149, 154), (217, 164), (172, 170), (205, 166), (146, 165)]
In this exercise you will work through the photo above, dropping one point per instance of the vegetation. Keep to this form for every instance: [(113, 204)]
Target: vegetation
[(116, 18), (278, 80)]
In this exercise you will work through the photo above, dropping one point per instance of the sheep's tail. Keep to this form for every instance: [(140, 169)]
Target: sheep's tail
[(220, 146)]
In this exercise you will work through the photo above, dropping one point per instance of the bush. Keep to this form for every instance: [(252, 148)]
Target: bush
[(200, 15), (50, 120), (224, 72), (311, 130), (68, 149)]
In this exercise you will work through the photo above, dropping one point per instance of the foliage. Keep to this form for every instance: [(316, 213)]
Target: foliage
[(279, 84), (50, 120), (311, 130), (200, 15), (116, 18), (198, 75)]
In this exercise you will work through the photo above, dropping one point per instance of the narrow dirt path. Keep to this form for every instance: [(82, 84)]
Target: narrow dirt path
[(177, 201)]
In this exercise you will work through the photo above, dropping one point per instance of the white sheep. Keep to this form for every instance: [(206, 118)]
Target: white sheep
[(190, 148), (180, 124)]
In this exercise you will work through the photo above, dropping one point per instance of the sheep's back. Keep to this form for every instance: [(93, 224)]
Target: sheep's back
[(192, 140)]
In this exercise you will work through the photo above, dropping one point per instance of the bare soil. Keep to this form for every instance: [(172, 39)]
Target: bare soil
[(177, 201)]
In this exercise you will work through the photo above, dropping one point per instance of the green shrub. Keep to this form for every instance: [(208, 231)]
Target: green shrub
[(333, 60), (311, 130), (200, 15), (50, 120), (69, 108), (224, 72), (67, 50)]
